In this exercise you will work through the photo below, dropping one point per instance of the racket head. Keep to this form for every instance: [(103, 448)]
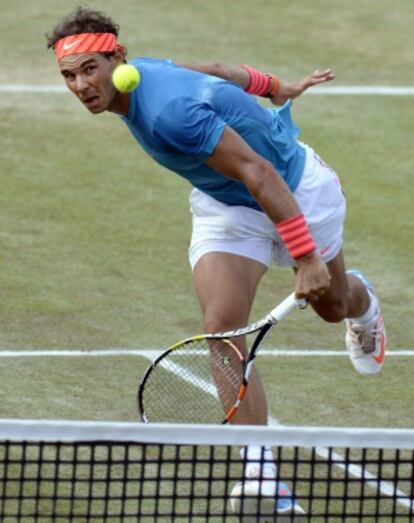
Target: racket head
[(197, 380)]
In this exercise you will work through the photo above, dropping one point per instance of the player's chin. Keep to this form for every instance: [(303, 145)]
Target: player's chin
[(96, 111)]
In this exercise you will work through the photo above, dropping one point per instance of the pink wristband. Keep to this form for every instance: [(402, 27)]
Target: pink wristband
[(296, 236), (260, 83)]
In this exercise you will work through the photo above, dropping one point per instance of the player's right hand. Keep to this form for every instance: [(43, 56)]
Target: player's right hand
[(312, 277)]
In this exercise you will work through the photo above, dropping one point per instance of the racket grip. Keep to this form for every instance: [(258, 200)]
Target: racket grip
[(286, 306)]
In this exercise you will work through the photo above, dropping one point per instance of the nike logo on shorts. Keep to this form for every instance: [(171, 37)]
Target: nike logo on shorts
[(324, 250)]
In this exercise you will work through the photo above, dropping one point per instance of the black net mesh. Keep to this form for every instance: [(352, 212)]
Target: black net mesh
[(110, 481)]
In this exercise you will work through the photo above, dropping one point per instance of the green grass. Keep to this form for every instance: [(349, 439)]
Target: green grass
[(366, 41), (94, 235)]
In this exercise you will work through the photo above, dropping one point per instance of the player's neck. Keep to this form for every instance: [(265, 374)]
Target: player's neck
[(120, 104)]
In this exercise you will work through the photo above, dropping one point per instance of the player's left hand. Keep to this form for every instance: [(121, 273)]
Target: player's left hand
[(289, 90)]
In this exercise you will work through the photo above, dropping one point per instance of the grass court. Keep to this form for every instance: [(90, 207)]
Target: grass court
[(94, 234)]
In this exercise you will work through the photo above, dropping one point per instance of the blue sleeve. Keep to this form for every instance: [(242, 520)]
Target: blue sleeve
[(191, 127)]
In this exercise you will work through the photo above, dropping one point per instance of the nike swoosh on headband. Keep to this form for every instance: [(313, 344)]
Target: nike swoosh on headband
[(68, 46)]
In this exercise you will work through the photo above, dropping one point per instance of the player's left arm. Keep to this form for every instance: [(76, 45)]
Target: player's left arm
[(232, 73), (283, 91)]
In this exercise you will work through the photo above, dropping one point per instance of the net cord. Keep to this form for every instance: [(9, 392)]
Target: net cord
[(67, 431)]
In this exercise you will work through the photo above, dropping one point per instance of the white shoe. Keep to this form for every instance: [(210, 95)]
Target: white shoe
[(265, 501), (366, 344)]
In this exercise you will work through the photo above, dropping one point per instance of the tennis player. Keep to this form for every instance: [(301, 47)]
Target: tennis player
[(259, 194)]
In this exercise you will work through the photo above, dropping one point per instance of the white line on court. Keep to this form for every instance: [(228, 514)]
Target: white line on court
[(186, 375), (102, 353), (383, 90), (387, 488)]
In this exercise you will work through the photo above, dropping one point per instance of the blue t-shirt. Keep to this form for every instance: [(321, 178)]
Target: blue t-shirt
[(178, 117)]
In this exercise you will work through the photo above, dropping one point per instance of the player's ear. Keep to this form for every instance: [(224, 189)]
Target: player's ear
[(120, 55)]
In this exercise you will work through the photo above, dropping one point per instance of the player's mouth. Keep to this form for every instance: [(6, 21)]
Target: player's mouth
[(92, 102)]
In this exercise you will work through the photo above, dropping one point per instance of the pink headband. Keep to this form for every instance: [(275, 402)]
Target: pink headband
[(86, 43)]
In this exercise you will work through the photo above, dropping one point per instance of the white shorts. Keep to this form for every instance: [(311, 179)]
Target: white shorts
[(218, 227)]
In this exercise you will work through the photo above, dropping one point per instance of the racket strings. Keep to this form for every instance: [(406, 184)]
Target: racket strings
[(226, 360), (197, 382), (226, 371)]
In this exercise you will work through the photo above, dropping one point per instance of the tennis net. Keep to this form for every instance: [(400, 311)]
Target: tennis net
[(61, 471)]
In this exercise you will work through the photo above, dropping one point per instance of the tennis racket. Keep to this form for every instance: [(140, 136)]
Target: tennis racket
[(203, 379)]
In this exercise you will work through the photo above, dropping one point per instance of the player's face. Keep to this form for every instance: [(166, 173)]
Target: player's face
[(89, 77)]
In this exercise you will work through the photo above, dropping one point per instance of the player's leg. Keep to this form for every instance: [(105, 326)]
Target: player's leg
[(352, 297), (230, 250), (226, 285)]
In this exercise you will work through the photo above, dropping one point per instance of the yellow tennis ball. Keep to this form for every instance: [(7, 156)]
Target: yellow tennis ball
[(126, 78)]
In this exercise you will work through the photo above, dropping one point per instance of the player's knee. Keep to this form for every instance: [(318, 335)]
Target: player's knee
[(333, 311), (221, 322)]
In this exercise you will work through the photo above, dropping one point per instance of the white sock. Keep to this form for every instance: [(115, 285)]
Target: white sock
[(370, 314), (259, 462)]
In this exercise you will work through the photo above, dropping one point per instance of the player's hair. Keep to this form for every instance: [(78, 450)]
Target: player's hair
[(82, 20)]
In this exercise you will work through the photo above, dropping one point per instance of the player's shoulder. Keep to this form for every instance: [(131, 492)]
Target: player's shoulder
[(145, 63), (170, 96), (161, 79)]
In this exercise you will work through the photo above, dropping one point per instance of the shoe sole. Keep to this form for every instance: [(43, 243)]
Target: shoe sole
[(255, 517), (262, 510)]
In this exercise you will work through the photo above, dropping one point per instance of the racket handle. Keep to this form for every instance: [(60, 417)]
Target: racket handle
[(288, 305)]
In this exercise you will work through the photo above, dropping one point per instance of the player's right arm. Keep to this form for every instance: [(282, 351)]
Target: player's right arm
[(240, 75), (234, 158), (192, 129)]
